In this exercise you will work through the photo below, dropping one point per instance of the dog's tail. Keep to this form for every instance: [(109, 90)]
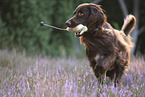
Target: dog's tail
[(129, 24)]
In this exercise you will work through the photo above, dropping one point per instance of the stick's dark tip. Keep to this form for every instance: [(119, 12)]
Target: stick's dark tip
[(41, 23)]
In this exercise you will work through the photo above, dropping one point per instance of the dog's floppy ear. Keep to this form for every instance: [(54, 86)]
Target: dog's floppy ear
[(97, 17)]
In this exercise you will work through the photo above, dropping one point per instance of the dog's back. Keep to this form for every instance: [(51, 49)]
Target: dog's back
[(124, 45), (123, 36)]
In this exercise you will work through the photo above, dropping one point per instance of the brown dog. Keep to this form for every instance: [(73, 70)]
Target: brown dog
[(107, 49)]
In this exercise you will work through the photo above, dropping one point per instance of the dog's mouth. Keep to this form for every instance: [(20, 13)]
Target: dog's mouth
[(78, 34), (79, 30)]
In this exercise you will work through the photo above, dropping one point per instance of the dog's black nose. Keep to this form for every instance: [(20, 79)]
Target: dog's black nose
[(68, 23)]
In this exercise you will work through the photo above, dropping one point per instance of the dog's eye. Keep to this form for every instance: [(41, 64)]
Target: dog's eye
[(80, 14)]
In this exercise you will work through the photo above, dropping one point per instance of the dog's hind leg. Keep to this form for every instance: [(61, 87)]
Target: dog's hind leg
[(99, 72), (119, 72), (111, 74)]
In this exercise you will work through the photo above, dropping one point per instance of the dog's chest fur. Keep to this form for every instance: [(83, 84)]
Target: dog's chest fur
[(103, 46)]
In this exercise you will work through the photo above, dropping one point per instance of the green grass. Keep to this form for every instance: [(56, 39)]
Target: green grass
[(34, 76)]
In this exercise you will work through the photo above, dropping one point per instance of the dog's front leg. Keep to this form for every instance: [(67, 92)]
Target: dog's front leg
[(97, 69), (91, 57), (103, 64)]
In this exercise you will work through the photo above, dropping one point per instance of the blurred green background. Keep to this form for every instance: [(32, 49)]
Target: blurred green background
[(20, 28)]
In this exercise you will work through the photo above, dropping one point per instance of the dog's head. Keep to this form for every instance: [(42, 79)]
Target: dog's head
[(88, 14)]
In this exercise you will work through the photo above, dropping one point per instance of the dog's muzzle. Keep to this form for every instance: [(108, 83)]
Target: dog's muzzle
[(79, 30)]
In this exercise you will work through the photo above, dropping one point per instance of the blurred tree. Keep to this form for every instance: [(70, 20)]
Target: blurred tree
[(19, 24), (140, 44)]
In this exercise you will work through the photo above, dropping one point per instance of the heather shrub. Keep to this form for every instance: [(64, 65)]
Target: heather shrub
[(37, 76)]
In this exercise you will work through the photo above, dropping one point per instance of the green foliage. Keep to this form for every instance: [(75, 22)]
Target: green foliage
[(19, 24)]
